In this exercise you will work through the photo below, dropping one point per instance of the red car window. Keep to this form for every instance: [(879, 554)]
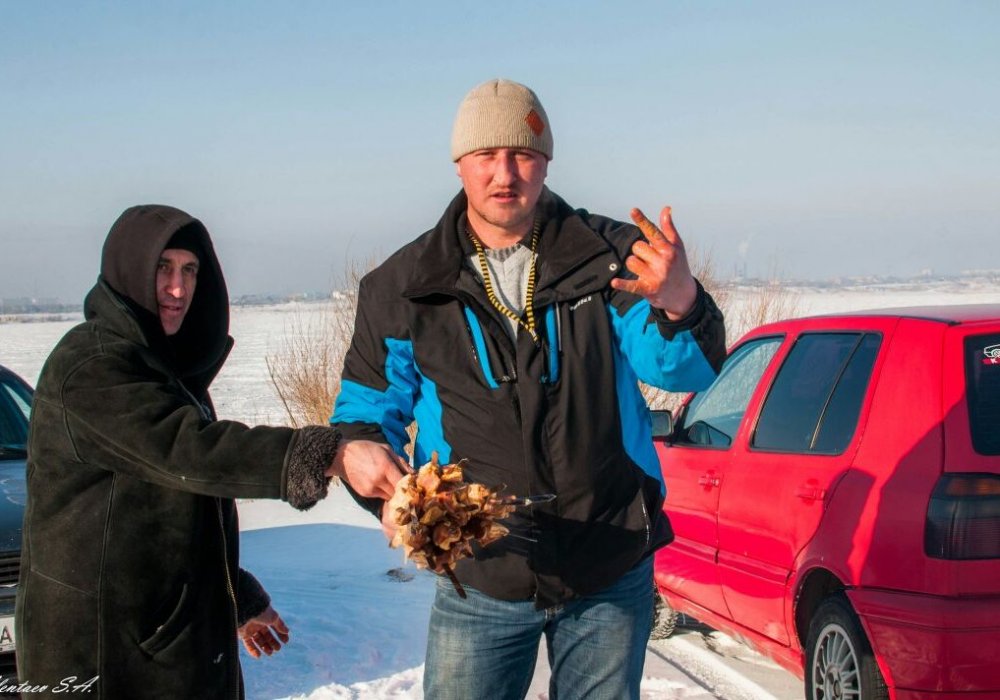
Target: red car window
[(714, 415), (815, 400), (982, 377)]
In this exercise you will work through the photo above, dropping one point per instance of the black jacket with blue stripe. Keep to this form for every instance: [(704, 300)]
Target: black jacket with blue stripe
[(563, 415)]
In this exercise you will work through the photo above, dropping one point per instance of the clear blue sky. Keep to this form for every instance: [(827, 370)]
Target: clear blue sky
[(818, 139)]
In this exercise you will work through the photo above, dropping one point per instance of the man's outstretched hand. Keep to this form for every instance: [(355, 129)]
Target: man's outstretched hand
[(371, 468), (264, 633), (660, 262)]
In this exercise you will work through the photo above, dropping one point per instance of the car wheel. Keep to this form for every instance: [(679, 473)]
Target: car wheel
[(664, 617), (840, 662)]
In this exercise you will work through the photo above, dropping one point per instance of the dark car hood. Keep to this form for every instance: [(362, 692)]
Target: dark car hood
[(12, 500)]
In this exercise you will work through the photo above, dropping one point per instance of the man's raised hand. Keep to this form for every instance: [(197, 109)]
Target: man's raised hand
[(661, 265)]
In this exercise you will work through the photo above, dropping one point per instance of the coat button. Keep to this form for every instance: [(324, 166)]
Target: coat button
[(613, 266)]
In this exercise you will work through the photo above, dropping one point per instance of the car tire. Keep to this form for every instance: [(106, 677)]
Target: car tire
[(839, 660), (664, 617)]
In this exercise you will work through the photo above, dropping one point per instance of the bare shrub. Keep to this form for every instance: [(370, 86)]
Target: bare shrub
[(702, 264), (305, 370), (759, 305)]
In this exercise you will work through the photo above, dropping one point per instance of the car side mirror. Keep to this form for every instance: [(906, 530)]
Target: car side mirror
[(663, 424)]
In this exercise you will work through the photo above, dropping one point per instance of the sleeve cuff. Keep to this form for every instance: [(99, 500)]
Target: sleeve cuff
[(706, 324), (251, 598), (311, 454), (691, 319)]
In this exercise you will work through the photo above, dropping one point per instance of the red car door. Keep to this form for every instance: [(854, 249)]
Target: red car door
[(694, 467), (783, 470)]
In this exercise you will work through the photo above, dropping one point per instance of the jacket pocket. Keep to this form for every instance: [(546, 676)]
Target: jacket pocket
[(659, 532), (175, 623)]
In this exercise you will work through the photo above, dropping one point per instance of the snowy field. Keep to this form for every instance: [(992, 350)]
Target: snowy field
[(358, 615)]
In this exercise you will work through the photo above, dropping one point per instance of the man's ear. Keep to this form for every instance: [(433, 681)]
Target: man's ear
[(458, 171)]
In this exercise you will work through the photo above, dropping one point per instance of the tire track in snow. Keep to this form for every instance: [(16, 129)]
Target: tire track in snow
[(707, 670)]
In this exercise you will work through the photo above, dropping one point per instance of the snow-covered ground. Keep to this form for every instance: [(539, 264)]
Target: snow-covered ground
[(358, 615)]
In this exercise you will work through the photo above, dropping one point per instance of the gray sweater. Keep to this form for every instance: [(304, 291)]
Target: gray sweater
[(509, 269)]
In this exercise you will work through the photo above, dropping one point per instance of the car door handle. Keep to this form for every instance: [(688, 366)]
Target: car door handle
[(810, 492), (710, 480)]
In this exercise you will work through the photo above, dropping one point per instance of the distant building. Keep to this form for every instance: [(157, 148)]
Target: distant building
[(35, 305)]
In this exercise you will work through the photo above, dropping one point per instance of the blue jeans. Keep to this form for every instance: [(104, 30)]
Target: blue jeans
[(482, 647)]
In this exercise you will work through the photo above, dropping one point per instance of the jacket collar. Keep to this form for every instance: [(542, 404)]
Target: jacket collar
[(572, 258), (110, 310)]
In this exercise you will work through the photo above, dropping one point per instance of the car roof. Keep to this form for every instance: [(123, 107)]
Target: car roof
[(950, 314), (5, 372)]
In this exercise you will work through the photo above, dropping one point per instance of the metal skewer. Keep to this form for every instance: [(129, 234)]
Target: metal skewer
[(527, 500)]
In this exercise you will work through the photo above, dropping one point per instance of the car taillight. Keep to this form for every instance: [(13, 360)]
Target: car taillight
[(963, 518)]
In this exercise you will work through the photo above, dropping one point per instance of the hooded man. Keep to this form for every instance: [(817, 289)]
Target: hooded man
[(130, 581), (515, 333)]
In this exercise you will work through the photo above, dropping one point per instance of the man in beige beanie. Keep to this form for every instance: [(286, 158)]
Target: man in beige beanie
[(514, 333)]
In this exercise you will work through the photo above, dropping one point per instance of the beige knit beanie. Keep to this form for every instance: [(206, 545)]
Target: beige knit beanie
[(501, 114)]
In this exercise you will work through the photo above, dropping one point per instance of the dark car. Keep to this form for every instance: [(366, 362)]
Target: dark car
[(15, 405)]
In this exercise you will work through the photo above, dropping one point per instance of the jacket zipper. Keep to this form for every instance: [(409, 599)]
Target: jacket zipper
[(235, 648), (232, 599), (645, 519)]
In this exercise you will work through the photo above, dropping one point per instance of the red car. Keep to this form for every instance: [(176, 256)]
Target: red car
[(835, 496)]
